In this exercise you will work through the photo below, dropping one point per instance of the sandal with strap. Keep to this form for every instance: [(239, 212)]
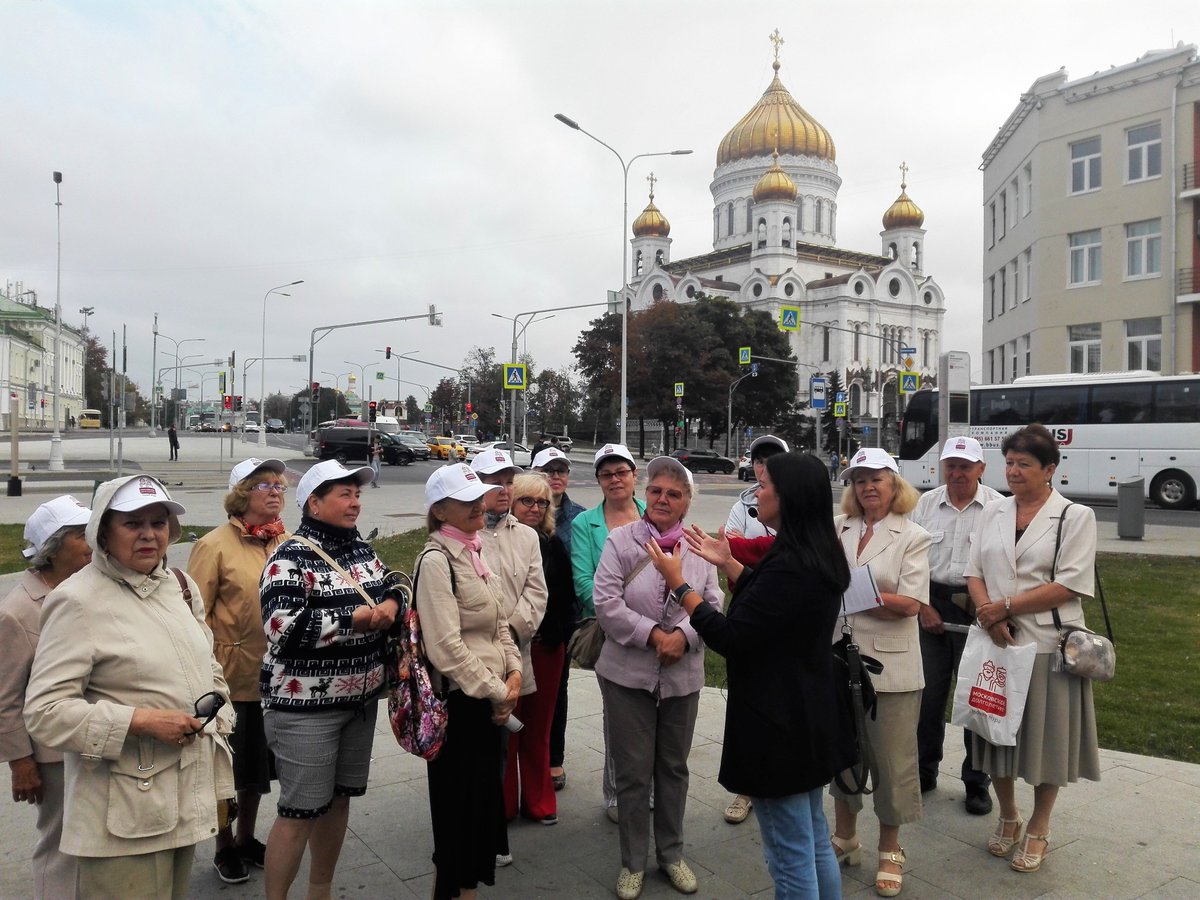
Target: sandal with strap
[(888, 884), (1002, 841), (847, 851), (738, 809), (1025, 860)]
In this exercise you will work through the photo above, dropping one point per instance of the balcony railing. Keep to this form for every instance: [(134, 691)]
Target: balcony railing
[(1190, 176), (1187, 281)]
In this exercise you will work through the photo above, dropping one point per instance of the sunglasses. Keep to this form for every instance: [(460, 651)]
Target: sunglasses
[(264, 487), (530, 503), (207, 707), (614, 475)]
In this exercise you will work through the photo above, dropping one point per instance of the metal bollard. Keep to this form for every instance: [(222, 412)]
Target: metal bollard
[(1131, 509)]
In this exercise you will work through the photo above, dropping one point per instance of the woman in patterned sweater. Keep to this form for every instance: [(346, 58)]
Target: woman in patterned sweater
[(322, 673)]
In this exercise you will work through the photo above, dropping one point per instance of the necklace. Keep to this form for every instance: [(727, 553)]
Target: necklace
[(42, 579)]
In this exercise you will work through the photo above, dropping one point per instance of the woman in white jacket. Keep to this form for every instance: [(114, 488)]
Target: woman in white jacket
[(125, 684)]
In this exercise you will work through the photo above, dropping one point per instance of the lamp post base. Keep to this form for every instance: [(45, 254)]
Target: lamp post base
[(14, 486), (56, 454)]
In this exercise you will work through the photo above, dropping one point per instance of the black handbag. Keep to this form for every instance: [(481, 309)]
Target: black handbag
[(852, 672)]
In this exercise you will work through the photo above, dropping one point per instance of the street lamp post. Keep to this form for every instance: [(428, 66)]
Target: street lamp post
[(56, 451), (178, 344), (571, 123), (262, 375), (86, 311)]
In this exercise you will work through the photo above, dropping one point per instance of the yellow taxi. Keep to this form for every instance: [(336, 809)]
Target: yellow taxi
[(445, 447)]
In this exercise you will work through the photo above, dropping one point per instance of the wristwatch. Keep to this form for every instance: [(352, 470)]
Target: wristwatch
[(680, 592)]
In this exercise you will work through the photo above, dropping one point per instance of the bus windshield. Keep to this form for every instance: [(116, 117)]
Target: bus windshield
[(89, 418)]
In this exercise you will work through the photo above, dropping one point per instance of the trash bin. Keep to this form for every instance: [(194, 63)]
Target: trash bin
[(1131, 509)]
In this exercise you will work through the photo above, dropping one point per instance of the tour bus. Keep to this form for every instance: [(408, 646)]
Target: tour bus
[(89, 418), (1109, 427)]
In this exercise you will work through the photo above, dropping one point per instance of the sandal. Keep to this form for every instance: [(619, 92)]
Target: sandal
[(736, 812), (888, 884), (845, 854), (1025, 860), (559, 781), (1002, 841)]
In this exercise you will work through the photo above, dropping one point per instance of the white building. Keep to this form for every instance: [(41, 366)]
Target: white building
[(27, 333), (1092, 223), (775, 214)]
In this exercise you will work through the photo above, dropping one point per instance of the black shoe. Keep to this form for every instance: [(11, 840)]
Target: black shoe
[(979, 801), (253, 853), (229, 865), (928, 784)]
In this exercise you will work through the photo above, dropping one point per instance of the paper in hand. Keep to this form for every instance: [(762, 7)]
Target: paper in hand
[(862, 593)]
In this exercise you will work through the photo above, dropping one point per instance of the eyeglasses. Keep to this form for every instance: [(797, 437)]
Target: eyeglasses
[(264, 487), (614, 475), (561, 472), (530, 503), (207, 707)]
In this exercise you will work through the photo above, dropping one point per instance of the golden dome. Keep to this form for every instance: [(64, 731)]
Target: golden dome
[(651, 223), (776, 122), (776, 184), (903, 213)]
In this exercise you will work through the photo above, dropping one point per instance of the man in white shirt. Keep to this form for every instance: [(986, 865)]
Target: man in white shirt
[(949, 513)]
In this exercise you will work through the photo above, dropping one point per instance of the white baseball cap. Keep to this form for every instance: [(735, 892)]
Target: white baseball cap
[(248, 467), (329, 470), (656, 465), (962, 448), (61, 512), (872, 458), (768, 440), (492, 460), (457, 481), (547, 456), (145, 490), (614, 450)]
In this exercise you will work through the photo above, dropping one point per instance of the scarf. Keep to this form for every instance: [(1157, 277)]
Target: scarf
[(666, 540), (473, 543), (267, 531)]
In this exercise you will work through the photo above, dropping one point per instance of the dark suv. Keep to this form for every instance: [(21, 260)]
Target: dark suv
[(346, 444), (704, 460)]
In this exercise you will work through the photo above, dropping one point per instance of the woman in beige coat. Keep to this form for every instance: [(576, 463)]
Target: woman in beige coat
[(123, 666), (875, 531)]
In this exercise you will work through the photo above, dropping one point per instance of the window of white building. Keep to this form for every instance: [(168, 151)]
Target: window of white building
[(819, 216), (991, 297), (1003, 290), (825, 335), (1003, 213), (1027, 206), (1143, 249), (992, 229), (1143, 344), (1083, 347), (1085, 166), (1015, 293), (1027, 348), (1027, 279), (1085, 257), (1014, 206), (1145, 152), (1012, 354)]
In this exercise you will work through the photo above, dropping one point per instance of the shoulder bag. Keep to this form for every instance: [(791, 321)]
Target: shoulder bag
[(1082, 652), (856, 699), (587, 641)]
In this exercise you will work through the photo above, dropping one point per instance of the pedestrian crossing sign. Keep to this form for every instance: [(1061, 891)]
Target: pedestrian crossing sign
[(743, 356), (789, 318), (910, 382), (679, 389), (514, 376), (839, 410)]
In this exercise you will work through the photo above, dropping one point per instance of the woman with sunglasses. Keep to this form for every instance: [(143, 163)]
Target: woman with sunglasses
[(227, 564), (529, 749), (118, 685)]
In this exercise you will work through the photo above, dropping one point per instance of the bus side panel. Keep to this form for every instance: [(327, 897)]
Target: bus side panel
[(922, 473), (1071, 478), (1109, 468)]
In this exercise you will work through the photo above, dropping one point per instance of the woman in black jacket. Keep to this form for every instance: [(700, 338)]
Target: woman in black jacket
[(784, 739)]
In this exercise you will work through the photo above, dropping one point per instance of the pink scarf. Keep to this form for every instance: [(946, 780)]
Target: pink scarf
[(666, 540), (474, 543)]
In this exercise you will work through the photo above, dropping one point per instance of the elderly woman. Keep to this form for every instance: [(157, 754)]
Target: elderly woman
[(616, 474), (874, 531), (227, 564), (529, 750), (651, 670), (781, 744), (467, 640), (1032, 564), (124, 683), (57, 550), (326, 611)]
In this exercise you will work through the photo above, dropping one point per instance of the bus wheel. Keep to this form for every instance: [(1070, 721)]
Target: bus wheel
[(1173, 490)]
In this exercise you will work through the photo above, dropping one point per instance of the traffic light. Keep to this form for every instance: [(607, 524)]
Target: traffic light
[(468, 407), (316, 392), (372, 410), (227, 401), (221, 379), (387, 352), (237, 403)]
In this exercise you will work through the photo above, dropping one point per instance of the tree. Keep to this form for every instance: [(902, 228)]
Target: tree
[(96, 363), (412, 409), (277, 407), (555, 403), (447, 400), (485, 376), (598, 354)]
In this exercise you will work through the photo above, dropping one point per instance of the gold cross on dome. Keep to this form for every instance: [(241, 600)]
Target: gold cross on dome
[(776, 39), (650, 178), (903, 175)]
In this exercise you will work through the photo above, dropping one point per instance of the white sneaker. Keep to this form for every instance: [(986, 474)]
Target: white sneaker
[(503, 859)]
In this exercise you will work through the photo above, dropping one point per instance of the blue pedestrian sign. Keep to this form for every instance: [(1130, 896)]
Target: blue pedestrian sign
[(514, 376), (743, 356), (789, 318), (910, 382), (839, 397)]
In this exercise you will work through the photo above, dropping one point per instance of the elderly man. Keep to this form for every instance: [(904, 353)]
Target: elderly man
[(949, 513)]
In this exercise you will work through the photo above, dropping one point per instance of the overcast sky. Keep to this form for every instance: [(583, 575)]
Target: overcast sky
[(397, 154)]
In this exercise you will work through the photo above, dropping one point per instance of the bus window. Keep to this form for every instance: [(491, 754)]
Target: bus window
[(1002, 407), (1120, 404), (1059, 405), (1177, 401), (919, 429)]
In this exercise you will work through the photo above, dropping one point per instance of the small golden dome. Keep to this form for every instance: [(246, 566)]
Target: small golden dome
[(776, 122), (776, 184), (651, 223), (903, 213)]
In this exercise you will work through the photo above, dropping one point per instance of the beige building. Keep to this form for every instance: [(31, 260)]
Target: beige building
[(27, 333), (1091, 220)]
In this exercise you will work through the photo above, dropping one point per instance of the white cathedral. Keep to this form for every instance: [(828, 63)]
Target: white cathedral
[(775, 244)]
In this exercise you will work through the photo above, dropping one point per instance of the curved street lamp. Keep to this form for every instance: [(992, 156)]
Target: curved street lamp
[(262, 375)]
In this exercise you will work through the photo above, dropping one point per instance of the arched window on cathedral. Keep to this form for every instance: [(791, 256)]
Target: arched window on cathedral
[(637, 264), (856, 399), (800, 214), (749, 216), (891, 251), (916, 256), (820, 208), (857, 342), (833, 220), (825, 349), (762, 233), (658, 257), (729, 222), (787, 232), (925, 339), (716, 225)]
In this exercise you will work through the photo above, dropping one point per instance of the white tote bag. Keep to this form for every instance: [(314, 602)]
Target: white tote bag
[(993, 682)]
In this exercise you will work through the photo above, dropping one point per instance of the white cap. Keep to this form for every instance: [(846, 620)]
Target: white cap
[(614, 450), (142, 491), (962, 448), (48, 518), (492, 460), (768, 439), (547, 456), (329, 470), (457, 481), (656, 465), (872, 458), (248, 467)]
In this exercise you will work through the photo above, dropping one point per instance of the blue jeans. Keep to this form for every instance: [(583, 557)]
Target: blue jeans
[(796, 845)]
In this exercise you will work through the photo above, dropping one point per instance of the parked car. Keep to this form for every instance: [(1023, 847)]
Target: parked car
[(565, 443), (700, 460), (251, 426), (520, 454), (444, 447), (347, 444), (466, 439), (414, 441), (745, 469), (275, 426)]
